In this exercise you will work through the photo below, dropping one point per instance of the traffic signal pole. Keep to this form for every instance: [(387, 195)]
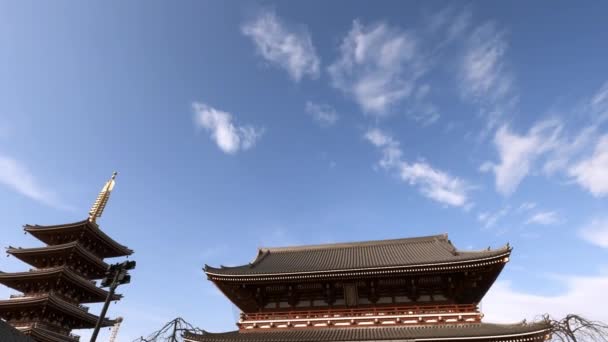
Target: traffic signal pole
[(106, 305), (119, 275)]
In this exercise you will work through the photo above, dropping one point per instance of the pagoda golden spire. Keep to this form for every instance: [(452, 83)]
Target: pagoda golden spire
[(102, 199)]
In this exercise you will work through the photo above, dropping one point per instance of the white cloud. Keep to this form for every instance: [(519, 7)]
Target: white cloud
[(596, 232), (592, 173), (483, 67), (485, 78), (432, 183), (228, 136), (567, 149), (18, 177), (291, 50), (324, 114), (450, 21), (391, 151), (544, 218), (423, 112), (378, 137), (518, 153), (526, 206), (378, 66), (435, 184), (599, 104), (489, 220), (505, 304)]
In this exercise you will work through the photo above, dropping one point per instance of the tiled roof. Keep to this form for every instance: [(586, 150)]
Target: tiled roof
[(44, 303), (33, 256), (31, 279), (47, 234), (485, 331), (10, 334), (41, 334), (382, 254)]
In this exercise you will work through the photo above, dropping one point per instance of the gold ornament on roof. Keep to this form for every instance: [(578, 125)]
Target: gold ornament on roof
[(102, 199)]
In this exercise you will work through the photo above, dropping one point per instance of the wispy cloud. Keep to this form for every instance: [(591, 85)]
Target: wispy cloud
[(526, 206), (430, 182), (544, 218), (289, 48), (228, 136), (592, 173), (489, 219), (580, 155), (325, 115), (505, 304), (599, 104), (16, 176), (485, 77), (483, 67), (451, 21), (518, 153), (596, 232), (378, 66)]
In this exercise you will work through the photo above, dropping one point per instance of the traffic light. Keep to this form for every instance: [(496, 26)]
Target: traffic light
[(128, 265), (109, 275), (119, 273), (106, 282), (123, 277)]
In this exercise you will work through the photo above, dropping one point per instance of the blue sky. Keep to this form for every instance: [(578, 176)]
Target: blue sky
[(237, 125)]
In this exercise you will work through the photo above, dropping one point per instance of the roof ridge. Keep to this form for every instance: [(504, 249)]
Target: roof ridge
[(384, 242)]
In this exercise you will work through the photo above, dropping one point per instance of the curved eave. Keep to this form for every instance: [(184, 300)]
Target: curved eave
[(473, 332), (117, 249), (23, 253), (52, 301), (45, 335), (10, 279), (233, 274)]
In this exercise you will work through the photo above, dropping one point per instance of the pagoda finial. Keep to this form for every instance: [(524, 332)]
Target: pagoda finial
[(102, 199)]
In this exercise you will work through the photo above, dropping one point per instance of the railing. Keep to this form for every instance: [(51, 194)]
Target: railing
[(427, 314)]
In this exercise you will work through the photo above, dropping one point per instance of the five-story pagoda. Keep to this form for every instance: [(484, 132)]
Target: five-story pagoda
[(62, 277), (413, 289)]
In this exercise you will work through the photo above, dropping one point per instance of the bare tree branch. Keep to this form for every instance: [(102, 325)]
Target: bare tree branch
[(575, 328)]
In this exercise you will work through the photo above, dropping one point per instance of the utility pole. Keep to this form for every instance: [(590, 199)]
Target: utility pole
[(115, 275)]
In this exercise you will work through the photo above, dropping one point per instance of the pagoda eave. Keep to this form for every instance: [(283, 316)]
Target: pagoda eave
[(51, 256), (42, 305), (58, 234), (28, 282), (44, 335)]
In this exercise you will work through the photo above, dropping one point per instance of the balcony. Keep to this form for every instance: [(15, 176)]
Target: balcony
[(397, 315)]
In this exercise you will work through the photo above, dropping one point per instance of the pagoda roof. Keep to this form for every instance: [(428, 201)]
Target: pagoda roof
[(85, 319), (44, 335), (429, 253), (439, 332), (10, 334), (18, 281), (36, 256), (50, 234)]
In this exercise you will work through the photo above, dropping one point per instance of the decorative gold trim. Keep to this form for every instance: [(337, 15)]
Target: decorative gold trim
[(102, 199)]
